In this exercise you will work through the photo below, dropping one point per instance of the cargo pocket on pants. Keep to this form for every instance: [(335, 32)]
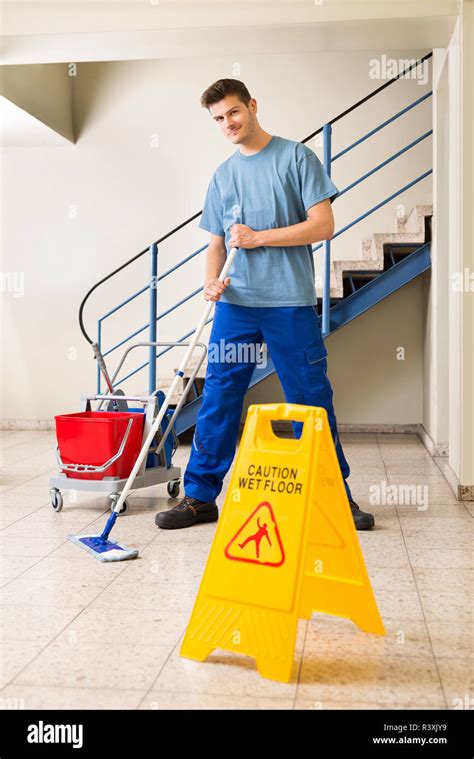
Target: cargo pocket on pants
[(315, 353), (317, 391)]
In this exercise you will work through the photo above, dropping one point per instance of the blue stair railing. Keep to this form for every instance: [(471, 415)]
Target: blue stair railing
[(333, 316)]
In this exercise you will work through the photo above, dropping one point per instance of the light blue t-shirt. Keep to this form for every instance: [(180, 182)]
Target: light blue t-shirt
[(272, 188)]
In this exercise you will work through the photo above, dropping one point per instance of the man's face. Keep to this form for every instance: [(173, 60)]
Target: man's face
[(236, 119)]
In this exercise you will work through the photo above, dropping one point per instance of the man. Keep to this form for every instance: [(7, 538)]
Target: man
[(272, 200)]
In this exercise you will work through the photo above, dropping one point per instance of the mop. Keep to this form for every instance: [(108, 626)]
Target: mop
[(117, 404), (99, 545)]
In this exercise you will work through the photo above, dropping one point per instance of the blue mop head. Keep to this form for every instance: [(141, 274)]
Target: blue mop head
[(103, 549)]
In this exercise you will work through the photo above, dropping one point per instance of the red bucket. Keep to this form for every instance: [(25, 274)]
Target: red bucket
[(93, 438)]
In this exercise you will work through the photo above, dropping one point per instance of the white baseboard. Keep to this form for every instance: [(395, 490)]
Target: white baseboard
[(409, 429), (34, 425), (461, 492), (434, 449)]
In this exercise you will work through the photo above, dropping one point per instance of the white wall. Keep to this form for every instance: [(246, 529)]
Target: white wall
[(28, 93), (436, 292), (73, 214), (449, 347), (455, 248), (466, 468)]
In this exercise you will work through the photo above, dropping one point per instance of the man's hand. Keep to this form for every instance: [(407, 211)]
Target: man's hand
[(213, 289), (244, 237)]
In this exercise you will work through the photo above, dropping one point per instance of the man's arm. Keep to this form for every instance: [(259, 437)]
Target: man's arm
[(318, 226), (216, 256)]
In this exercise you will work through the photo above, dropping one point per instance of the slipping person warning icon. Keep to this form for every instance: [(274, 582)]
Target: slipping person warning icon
[(246, 545), (261, 532)]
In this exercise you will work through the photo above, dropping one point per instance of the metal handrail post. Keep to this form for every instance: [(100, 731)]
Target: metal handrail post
[(99, 340), (327, 245), (153, 314)]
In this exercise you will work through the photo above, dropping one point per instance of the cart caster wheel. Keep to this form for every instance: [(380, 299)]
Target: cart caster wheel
[(113, 499), (173, 488), (56, 499)]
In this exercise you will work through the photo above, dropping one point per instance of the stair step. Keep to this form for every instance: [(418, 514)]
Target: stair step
[(362, 274), (412, 231), (393, 254), (401, 222), (402, 248)]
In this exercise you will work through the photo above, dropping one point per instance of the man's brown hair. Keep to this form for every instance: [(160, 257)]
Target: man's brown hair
[(223, 87)]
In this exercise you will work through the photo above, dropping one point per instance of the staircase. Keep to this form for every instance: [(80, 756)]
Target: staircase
[(348, 276), (379, 253), (387, 262)]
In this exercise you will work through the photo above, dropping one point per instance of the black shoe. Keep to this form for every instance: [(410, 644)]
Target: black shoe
[(362, 520), (187, 512)]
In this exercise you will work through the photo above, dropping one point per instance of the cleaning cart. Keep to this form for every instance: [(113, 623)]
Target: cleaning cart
[(97, 448), (100, 546)]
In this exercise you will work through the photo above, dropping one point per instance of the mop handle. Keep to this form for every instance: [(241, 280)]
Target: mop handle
[(179, 374), (101, 363)]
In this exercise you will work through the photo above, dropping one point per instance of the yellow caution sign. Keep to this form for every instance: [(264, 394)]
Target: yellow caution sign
[(285, 546)]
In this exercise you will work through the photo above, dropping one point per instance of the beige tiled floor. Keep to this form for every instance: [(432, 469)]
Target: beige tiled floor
[(79, 634)]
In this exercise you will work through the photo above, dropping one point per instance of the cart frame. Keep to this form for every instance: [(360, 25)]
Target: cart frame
[(146, 477)]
